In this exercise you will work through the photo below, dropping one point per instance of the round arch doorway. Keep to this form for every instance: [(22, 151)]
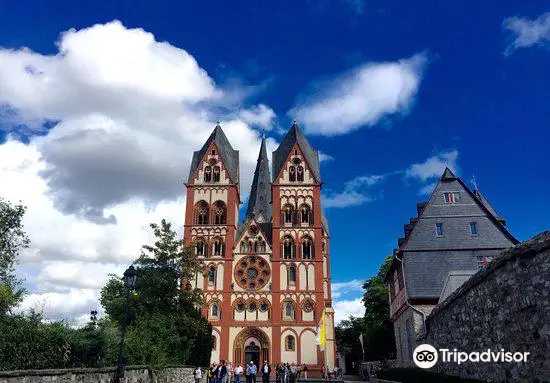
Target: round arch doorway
[(251, 344)]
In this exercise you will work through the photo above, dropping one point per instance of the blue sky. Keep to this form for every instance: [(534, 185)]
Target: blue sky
[(389, 91)]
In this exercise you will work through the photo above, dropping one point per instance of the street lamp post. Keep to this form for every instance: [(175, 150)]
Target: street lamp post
[(130, 276)]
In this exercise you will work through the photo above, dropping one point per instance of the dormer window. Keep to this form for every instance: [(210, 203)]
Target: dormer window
[(451, 197)]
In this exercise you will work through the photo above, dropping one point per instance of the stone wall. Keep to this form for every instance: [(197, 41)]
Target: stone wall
[(504, 306), (134, 374)]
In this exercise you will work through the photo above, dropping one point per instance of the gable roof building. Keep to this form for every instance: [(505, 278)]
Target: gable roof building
[(455, 232)]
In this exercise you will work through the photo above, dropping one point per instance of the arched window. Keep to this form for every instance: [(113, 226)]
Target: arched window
[(300, 171), (307, 248), (292, 173), (218, 247), (290, 343), (323, 246), (215, 310), (244, 247), (216, 174), (292, 275), (214, 342), (288, 214), (208, 174), (305, 214), (288, 247), (261, 246), (289, 310), (219, 213), (200, 247), (201, 213), (212, 276)]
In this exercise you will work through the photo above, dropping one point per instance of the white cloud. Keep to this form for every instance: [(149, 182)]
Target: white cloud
[(361, 97), (260, 115), (128, 113), (355, 192), (341, 288), (526, 33), (427, 189), (434, 166), (323, 157), (343, 309)]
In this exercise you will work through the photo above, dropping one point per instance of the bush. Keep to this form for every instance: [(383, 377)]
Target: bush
[(417, 375)]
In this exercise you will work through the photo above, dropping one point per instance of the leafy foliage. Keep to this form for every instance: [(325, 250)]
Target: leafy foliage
[(12, 239), (377, 330), (165, 325)]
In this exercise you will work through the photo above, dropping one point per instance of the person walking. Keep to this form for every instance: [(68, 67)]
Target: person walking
[(293, 373), (251, 371), (278, 373), (304, 369), (266, 371), (197, 374), (224, 372), (238, 373), (324, 372)]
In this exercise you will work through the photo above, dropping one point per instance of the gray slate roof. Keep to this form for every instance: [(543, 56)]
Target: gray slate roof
[(230, 157), (428, 259), (259, 202), (427, 271), (294, 136)]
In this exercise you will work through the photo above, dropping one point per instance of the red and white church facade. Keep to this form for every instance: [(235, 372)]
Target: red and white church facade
[(267, 279)]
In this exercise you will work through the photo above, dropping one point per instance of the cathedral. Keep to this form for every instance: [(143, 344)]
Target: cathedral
[(267, 279)]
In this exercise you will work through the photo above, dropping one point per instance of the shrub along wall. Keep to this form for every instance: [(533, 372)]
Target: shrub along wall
[(505, 306), (134, 374)]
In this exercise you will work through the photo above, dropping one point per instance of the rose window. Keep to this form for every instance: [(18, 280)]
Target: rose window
[(252, 273)]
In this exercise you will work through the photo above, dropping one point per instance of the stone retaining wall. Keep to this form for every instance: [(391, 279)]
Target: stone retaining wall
[(134, 374), (505, 306)]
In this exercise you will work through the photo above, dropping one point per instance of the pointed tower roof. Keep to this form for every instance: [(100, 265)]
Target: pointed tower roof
[(294, 136), (230, 157), (448, 175), (260, 194)]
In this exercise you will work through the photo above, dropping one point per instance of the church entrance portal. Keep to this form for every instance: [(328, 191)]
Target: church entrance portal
[(252, 353), (252, 344)]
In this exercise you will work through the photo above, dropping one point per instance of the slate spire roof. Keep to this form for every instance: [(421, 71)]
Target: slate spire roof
[(230, 156), (260, 195), (294, 136)]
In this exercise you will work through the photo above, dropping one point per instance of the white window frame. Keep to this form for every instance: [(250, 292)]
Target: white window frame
[(451, 197)]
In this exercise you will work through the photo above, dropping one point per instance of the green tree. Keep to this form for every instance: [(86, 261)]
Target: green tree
[(379, 335), (377, 330), (12, 239), (165, 324)]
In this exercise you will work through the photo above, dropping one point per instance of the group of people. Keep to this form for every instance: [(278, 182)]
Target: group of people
[(226, 372), (327, 373)]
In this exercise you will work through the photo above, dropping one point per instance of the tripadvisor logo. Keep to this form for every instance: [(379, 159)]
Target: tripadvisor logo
[(426, 356)]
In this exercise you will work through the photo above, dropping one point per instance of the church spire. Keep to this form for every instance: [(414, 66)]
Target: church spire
[(260, 195)]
